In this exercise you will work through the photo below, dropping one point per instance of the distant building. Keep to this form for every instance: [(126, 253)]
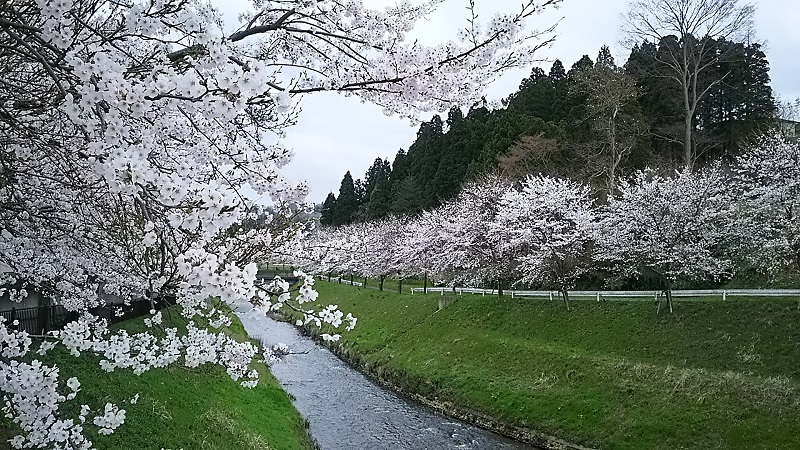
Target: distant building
[(790, 129), (29, 300)]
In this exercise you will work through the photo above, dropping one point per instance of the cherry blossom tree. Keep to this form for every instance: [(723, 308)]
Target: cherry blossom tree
[(131, 132), (766, 231), (670, 226), (420, 248), (469, 251), (549, 224), (381, 259)]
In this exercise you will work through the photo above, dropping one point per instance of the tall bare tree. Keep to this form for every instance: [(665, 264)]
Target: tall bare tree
[(687, 29), (616, 118)]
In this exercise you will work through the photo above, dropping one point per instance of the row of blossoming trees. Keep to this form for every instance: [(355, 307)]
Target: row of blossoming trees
[(130, 133), (550, 232)]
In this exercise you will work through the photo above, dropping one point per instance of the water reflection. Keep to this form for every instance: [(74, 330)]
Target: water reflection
[(346, 409)]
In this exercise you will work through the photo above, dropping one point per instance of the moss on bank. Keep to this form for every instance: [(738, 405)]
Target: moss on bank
[(609, 375)]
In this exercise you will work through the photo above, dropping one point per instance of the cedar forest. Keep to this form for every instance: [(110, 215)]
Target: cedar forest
[(592, 123)]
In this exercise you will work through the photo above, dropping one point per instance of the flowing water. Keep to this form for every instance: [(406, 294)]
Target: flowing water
[(346, 410)]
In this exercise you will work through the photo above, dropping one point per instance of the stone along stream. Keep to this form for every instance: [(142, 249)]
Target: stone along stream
[(346, 410)]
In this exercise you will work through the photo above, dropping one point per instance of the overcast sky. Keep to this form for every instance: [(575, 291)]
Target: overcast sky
[(336, 134)]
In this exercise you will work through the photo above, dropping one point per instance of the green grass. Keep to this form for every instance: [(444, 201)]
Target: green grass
[(389, 284), (178, 408), (607, 374)]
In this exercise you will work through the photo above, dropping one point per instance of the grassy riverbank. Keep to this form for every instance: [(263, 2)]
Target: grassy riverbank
[(187, 408), (609, 375)]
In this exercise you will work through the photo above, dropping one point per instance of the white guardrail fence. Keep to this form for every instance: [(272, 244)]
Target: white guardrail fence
[(597, 295), (340, 280), (601, 295)]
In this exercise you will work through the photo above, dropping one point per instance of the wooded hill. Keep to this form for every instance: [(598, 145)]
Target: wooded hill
[(592, 123)]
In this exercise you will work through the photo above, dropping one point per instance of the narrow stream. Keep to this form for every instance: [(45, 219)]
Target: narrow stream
[(347, 410)]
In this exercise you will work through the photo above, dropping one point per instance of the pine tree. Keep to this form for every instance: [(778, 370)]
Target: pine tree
[(377, 189), (660, 102), (535, 97), (604, 58), (328, 207), (379, 171), (406, 197), (738, 106), (557, 71), (379, 201), (347, 203), (582, 64)]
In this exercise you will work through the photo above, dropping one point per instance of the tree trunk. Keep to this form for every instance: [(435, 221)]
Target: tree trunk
[(425, 283), (499, 289), (689, 82), (688, 156), (566, 297), (383, 277), (365, 281), (669, 296), (612, 167), (668, 293), (399, 285)]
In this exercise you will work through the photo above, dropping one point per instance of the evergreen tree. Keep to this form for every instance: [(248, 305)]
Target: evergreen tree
[(502, 132), (737, 99), (557, 71), (379, 201), (687, 32), (424, 156), (328, 208), (738, 106), (362, 197), (582, 64), (605, 59), (450, 171), (551, 125), (361, 191), (377, 189), (543, 96), (379, 171), (347, 203), (535, 97), (660, 102), (407, 197)]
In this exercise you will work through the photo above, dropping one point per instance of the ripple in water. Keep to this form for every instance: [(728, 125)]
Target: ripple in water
[(346, 409)]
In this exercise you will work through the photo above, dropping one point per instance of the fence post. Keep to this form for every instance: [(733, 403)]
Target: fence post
[(598, 296), (442, 292), (551, 296), (724, 295)]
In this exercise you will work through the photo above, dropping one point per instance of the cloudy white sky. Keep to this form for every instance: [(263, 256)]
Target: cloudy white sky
[(336, 134)]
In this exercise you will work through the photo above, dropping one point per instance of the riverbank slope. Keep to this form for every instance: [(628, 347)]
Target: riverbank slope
[(180, 408), (609, 375)]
